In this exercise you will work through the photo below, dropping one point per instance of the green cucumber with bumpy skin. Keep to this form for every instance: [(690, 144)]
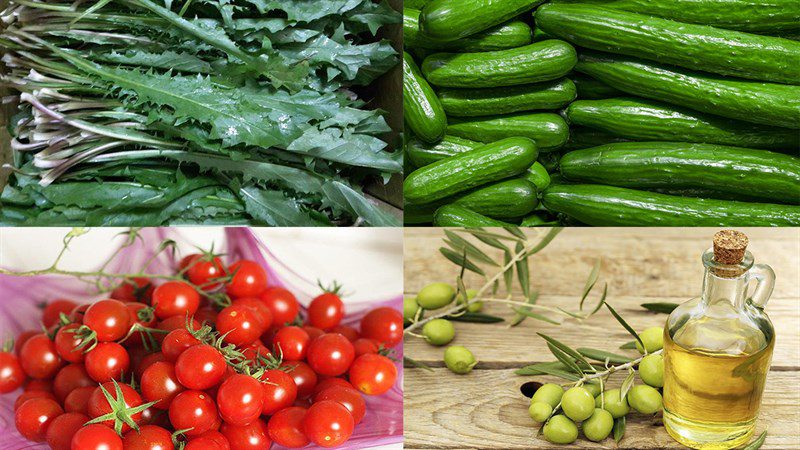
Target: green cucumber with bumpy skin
[(458, 216), (751, 101), (762, 174), (515, 33), (590, 89), (539, 35), (609, 206), (454, 19), (534, 63), (584, 137), (485, 164), (423, 111), (418, 214), (549, 130), (697, 47), (506, 199), (537, 174), (421, 153), (527, 97)]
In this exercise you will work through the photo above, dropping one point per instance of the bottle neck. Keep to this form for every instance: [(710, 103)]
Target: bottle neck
[(724, 290)]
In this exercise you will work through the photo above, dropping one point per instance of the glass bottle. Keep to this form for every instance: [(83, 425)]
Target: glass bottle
[(717, 350)]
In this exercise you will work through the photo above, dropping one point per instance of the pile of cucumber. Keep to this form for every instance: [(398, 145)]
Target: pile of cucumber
[(602, 112)]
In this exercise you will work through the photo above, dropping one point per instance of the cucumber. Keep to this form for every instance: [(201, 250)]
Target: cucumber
[(761, 174), (590, 89), (750, 101), (423, 111), (526, 97), (418, 214), (549, 130), (583, 137), (698, 47), (492, 162), (648, 120), (415, 4), (756, 16), (454, 19), (506, 199), (600, 205), (541, 61), (550, 162), (515, 33), (537, 174), (421, 153), (458, 216), (539, 35)]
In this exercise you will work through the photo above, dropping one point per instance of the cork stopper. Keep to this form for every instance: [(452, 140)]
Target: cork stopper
[(729, 247)]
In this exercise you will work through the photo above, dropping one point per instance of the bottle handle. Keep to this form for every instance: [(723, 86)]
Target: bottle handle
[(765, 282)]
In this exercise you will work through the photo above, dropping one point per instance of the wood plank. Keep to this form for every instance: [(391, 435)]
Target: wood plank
[(485, 410)]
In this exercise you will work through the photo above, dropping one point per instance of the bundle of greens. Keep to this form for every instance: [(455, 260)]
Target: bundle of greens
[(133, 112)]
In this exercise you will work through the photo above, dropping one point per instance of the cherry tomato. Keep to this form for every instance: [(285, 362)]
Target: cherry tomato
[(96, 437), (285, 427), (99, 406), (348, 397), (176, 342), (347, 331), (313, 332), (107, 361), (330, 354), (280, 391), (326, 383), (249, 279), (195, 410), (159, 383), (175, 298), (325, 311), (240, 399), (254, 350), (203, 269), (291, 343), (263, 313), (28, 395), (110, 319), (304, 377), (66, 342), (39, 358), (144, 316), (147, 361), (282, 303), (206, 314), (63, 428), (200, 367), (210, 440), (328, 423), (174, 323), (77, 313), (78, 400), (384, 325), (149, 437), (373, 374), (34, 416), (247, 437), (11, 373), (38, 385), (238, 325), (365, 345), (69, 378), (23, 338), (52, 312)]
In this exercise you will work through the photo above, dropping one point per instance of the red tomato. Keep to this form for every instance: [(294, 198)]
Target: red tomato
[(348, 397), (304, 377), (200, 367), (210, 440), (373, 374), (134, 290), (282, 303), (263, 313), (69, 378), (66, 342), (63, 428), (175, 298), (108, 361), (238, 325), (330, 354), (313, 332), (147, 361), (34, 416), (248, 437), (99, 406), (28, 395), (291, 343), (144, 316), (365, 345), (159, 383), (384, 325), (254, 350), (285, 427), (349, 332), (39, 358), (206, 314), (203, 269), (96, 437), (328, 423), (249, 279), (331, 382), (176, 342), (78, 400), (110, 319), (38, 385), (174, 323), (280, 391), (325, 311), (23, 338), (149, 437), (240, 399), (52, 312), (195, 410), (77, 313), (11, 374)]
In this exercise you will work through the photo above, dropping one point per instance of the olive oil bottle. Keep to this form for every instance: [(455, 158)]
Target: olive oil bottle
[(717, 350)]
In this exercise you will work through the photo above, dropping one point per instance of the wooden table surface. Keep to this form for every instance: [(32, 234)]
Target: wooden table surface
[(485, 409)]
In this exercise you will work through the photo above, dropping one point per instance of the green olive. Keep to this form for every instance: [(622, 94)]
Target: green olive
[(472, 307), (645, 399), (577, 403), (560, 430), (410, 308), (540, 411), (598, 427), (612, 403), (549, 393), (593, 388), (459, 359), (439, 331), (653, 339), (436, 295), (651, 370)]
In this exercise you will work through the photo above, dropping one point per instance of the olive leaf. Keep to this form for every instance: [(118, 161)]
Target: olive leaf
[(537, 316), (482, 234), (556, 369), (574, 355), (627, 384), (625, 324), (601, 355), (565, 359), (523, 271), (508, 275), (664, 307), (755, 445), (415, 363), (590, 282), (521, 316), (628, 346), (545, 240), (619, 428), (462, 260), (602, 300), (475, 317), (460, 244), (515, 231)]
